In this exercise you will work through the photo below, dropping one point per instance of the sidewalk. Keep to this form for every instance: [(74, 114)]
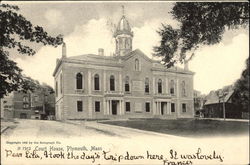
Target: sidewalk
[(119, 130), (221, 119), (6, 124)]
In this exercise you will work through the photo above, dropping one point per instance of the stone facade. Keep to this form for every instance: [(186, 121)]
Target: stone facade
[(126, 85)]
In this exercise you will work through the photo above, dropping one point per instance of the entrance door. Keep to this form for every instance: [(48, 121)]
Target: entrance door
[(163, 108), (23, 116), (114, 107)]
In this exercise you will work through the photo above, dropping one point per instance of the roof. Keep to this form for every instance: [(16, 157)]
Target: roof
[(115, 61), (94, 58), (213, 98), (123, 27)]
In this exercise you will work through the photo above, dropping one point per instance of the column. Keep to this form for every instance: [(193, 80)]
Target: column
[(167, 90), (110, 103), (107, 107), (120, 106), (104, 106), (90, 107), (177, 88), (178, 98), (104, 81), (154, 107), (153, 85), (120, 82), (157, 107), (89, 81), (169, 107)]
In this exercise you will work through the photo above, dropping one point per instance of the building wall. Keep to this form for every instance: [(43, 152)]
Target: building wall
[(216, 111), (7, 106), (66, 101), (15, 106)]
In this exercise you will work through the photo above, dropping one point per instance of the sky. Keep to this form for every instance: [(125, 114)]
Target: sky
[(87, 26)]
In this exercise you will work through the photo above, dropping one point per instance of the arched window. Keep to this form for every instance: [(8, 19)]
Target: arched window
[(159, 86), (78, 81), (120, 43), (25, 99), (172, 87), (96, 82), (183, 88), (137, 65), (126, 43), (146, 85), (130, 43), (127, 84), (112, 83)]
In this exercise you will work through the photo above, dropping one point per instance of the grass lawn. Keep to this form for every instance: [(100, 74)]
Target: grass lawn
[(187, 127)]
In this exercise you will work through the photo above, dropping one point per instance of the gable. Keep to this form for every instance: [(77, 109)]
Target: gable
[(137, 53)]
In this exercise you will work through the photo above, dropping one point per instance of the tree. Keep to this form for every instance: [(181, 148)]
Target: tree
[(15, 32), (201, 23), (241, 88)]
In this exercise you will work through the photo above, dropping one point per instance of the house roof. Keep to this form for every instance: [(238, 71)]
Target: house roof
[(213, 98), (94, 58), (114, 60)]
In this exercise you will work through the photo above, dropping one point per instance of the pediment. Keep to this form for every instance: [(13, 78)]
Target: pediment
[(139, 53)]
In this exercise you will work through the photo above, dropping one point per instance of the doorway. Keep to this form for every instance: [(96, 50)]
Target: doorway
[(23, 116), (114, 107), (163, 108)]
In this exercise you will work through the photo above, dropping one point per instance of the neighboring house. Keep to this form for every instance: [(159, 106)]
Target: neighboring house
[(213, 107), (7, 106), (125, 85), (37, 105), (199, 101)]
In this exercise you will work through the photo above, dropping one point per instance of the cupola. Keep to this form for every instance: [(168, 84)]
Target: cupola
[(123, 36)]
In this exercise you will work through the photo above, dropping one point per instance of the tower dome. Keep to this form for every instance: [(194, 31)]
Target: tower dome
[(123, 27), (123, 36)]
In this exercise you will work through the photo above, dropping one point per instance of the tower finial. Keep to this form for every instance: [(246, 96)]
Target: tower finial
[(123, 10)]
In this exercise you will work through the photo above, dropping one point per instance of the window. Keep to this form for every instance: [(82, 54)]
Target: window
[(120, 43), (56, 88), (172, 107), (126, 43), (127, 106), (78, 81), (25, 99), (61, 83), (79, 106), (183, 88), (36, 98), (184, 108), (112, 83), (96, 82), (46, 98), (127, 84), (137, 65), (146, 85), (147, 106), (25, 105), (159, 86), (97, 106), (172, 87)]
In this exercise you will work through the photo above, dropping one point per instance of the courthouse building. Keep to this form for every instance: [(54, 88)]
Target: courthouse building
[(128, 84)]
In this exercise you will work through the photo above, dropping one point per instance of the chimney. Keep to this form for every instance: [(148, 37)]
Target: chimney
[(101, 52), (186, 65), (64, 50)]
